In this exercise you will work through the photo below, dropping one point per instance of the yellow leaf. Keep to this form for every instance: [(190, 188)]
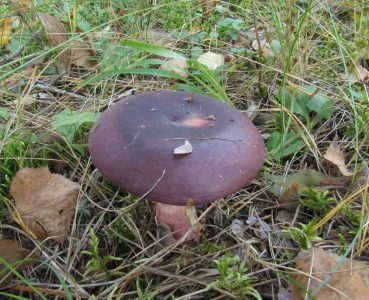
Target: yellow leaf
[(5, 31)]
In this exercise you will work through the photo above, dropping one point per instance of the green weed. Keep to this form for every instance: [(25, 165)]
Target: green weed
[(234, 278)]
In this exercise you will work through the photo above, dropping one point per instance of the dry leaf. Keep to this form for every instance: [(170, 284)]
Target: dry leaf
[(337, 157), (176, 65), (212, 60), (291, 194), (45, 202), (264, 46), (21, 5), (5, 31), (238, 228), (358, 75), (83, 56), (57, 35), (12, 252), (350, 279), (186, 148), (26, 100)]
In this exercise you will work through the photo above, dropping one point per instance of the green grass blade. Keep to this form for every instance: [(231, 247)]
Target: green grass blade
[(153, 49)]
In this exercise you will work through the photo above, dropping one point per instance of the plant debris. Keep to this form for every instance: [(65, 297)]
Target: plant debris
[(12, 253), (337, 157), (45, 202), (326, 275), (186, 148)]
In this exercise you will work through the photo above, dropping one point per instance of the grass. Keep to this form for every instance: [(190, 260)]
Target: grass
[(301, 100)]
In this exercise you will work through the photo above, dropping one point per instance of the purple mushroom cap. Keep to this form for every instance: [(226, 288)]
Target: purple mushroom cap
[(133, 143)]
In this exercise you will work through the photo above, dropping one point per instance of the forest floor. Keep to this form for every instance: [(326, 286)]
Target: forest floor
[(298, 69)]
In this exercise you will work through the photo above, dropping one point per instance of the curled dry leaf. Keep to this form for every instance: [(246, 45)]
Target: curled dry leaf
[(45, 202), (176, 65), (337, 157), (186, 148), (12, 252), (212, 60), (349, 281)]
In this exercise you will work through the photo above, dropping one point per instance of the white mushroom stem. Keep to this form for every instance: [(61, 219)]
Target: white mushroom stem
[(180, 219)]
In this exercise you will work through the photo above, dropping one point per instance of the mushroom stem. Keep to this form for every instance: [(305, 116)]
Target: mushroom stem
[(180, 219)]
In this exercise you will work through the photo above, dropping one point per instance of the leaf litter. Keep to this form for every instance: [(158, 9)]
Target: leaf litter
[(44, 202), (345, 278), (12, 253), (337, 157), (78, 53)]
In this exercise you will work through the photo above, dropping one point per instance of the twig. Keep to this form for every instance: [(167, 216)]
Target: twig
[(53, 89)]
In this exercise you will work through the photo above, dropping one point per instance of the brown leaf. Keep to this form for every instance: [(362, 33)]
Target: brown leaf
[(358, 75), (12, 252), (57, 35), (336, 156), (20, 5), (5, 31), (83, 56), (349, 281), (45, 202), (291, 193)]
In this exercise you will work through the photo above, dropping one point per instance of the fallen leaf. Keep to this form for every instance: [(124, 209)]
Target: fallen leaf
[(45, 202), (57, 35), (12, 252), (212, 60), (83, 56), (176, 65), (26, 100), (5, 31), (291, 194), (263, 46), (348, 278), (360, 74), (238, 228), (20, 5), (337, 157), (186, 148)]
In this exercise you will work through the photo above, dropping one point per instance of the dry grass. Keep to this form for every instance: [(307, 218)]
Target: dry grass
[(125, 225)]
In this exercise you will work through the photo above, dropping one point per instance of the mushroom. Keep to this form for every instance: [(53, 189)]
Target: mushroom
[(178, 149)]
